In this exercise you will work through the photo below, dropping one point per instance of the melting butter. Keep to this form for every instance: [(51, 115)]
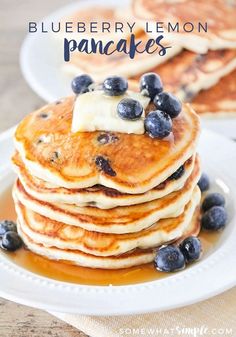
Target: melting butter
[(95, 111)]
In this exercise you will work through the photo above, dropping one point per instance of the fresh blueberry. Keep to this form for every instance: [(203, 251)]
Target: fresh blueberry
[(191, 248), (168, 103), (7, 226), (11, 241), (204, 182), (213, 199), (158, 124), (169, 258), (129, 109), (178, 173), (151, 85), (215, 218), (81, 83), (115, 86)]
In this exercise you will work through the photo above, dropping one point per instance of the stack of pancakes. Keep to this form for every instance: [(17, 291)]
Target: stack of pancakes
[(198, 68), (110, 213)]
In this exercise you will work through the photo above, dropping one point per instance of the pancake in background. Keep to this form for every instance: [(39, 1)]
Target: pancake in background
[(126, 219), (133, 258), (194, 72), (218, 101), (219, 14), (51, 152), (97, 196), (49, 233), (99, 66)]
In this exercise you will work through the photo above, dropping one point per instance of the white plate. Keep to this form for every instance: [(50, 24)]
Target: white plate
[(212, 275), (41, 61)]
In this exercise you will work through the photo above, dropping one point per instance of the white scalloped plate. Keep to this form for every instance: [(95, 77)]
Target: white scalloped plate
[(41, 61), (212, 275)]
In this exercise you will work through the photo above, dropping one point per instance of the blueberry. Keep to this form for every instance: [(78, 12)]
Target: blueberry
[(106, 138), (11, 241), (43, 115), (178, 173), (213, 199), (204, 182), (7, 226), (191, 248), (169, 258), (129, 109), (81, 83), (115, 86), (215, 218), (168, 103), (158, 124), (151, 85), (104, 165)]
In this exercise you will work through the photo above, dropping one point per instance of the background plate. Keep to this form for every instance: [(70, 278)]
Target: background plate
[(212, 275)]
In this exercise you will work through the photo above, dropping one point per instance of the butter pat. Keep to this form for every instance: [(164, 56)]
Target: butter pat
[(95, 111)]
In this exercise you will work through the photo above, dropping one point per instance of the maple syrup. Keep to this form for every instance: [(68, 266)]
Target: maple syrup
[(63, 271)]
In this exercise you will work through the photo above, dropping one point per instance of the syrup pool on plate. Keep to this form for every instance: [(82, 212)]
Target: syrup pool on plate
[(66, 272)]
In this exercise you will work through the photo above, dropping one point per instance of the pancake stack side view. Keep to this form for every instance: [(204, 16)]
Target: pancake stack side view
[(104, 199)]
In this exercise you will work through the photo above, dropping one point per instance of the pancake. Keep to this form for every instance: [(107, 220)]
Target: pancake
[(51, 152), (99, 14), (194, 72), (219, 14), (218, 101), (81, 63), (126, 219), (96, 196), (51, 233), (133, 258)]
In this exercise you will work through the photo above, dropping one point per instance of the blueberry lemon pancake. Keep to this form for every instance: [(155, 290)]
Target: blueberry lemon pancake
[(216, 102), (194, 72), (182, 18), (108, 178)]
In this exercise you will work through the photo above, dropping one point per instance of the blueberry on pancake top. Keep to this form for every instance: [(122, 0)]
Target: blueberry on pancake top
[(129, 109), (115, 86), (169, 103), (81, 83), (158, 124), (151, 85)]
